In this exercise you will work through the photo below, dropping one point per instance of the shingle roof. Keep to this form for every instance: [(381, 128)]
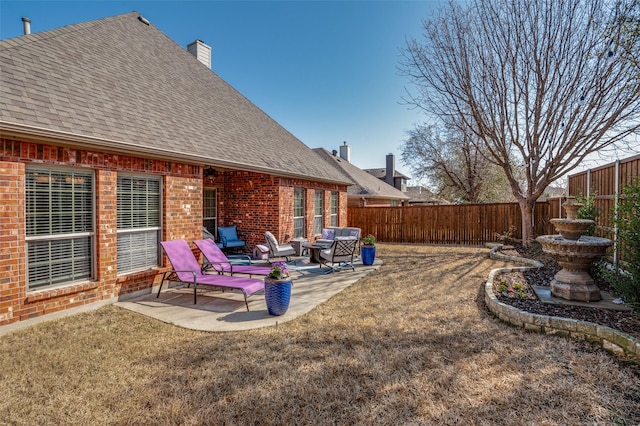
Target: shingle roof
[(382, 173), (365, 184), (420, 194), (120, 85)]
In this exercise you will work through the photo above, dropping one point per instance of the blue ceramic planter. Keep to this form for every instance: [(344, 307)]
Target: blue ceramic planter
[(277, 294), (368, 254)]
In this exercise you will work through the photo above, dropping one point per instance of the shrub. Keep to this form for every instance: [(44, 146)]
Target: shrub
[(588, 210), (626, 282)]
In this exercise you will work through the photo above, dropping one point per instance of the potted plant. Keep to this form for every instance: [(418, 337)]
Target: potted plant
[(277, 289), (368, 250)]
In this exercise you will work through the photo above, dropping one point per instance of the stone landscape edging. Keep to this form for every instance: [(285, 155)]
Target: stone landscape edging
[(612, 340)]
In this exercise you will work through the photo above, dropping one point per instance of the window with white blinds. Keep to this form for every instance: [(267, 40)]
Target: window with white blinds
[(318, 212), (298, 213), (138, 222), (59, 225), (210, 210), (334, 208)]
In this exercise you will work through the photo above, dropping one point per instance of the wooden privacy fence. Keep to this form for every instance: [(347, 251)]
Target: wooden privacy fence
[(605, 184), (471, 224), (476, 224)]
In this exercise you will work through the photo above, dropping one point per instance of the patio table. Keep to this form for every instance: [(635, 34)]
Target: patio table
[(314, 250)]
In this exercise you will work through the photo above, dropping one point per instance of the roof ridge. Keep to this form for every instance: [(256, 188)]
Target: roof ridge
[(51, 34), (119, 80)]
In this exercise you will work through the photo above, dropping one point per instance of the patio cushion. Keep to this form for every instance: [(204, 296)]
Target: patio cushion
[(328, 234), (338, 231), (278, 250), (341, 252), (229, 237)]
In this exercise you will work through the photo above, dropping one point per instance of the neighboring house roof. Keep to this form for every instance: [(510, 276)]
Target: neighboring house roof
[(365, 185), (554, 192), (119, 85), (420, 194), (382, 173)]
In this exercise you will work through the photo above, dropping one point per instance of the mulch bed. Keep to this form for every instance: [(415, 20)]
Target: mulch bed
[(521, 295)]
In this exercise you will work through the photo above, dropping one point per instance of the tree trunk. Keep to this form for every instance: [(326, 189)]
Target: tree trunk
[(526, 208)]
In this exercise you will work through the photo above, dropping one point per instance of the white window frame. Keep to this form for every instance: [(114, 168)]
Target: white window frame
[(299, 219), (141, 236), (210, 210), (60, 243), (318, 212), (334, 208)]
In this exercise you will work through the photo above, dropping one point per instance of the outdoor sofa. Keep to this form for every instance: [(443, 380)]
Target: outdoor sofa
[(329, 234)]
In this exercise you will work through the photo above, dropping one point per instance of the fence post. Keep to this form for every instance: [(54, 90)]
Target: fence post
[(616, 197)]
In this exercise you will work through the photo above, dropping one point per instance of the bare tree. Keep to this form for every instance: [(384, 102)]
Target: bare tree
[(533, 80), (453, 165)]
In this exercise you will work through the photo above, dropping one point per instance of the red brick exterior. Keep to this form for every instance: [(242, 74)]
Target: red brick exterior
[(255, 202), (12, 247), (183, 219)]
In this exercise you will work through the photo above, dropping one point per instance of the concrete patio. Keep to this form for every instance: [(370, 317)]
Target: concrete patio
[(226, 311)]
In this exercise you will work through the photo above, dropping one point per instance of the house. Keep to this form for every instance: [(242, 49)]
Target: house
[(113, 138), (366, 190), (419, 195), (390, 175)]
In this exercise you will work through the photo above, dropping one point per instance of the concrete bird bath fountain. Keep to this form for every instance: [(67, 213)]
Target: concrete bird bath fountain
[(574, 251)]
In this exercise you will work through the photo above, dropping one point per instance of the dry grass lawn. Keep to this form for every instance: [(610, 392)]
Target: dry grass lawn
[(410, 344)]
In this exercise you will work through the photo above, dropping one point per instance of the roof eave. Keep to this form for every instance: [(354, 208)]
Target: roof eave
[(377, 197), (39, 134)]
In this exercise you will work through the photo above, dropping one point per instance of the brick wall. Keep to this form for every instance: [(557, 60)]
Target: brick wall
[(258, 202), (342, 209), (285, 228), (248, 200), (106, 228), (183, 206), (255, 202), (12, 254)]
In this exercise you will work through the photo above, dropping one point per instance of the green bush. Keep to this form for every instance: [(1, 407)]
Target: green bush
[(626, 281), (588, 210)]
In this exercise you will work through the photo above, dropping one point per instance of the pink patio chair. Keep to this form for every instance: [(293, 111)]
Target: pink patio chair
[(216, 260), (186, 269)]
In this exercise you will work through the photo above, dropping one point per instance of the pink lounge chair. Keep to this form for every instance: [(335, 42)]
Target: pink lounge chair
[(216, 260), (187, 269)]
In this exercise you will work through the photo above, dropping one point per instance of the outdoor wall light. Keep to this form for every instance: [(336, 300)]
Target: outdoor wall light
[(209, 172)]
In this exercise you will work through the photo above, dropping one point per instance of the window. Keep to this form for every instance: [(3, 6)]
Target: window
[(298, 213), (210, 210), (334, 208), (318, 213), (138, 222), (59, 226)]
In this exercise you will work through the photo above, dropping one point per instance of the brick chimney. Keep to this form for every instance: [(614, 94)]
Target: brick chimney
[(201, 51), (391, 170)]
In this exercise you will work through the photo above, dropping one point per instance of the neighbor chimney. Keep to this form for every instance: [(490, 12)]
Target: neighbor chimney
[(391, 166), (201, 51), (26, 24), (345, 152)]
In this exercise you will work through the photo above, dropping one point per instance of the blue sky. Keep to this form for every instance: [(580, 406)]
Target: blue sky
[(325, 70)]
